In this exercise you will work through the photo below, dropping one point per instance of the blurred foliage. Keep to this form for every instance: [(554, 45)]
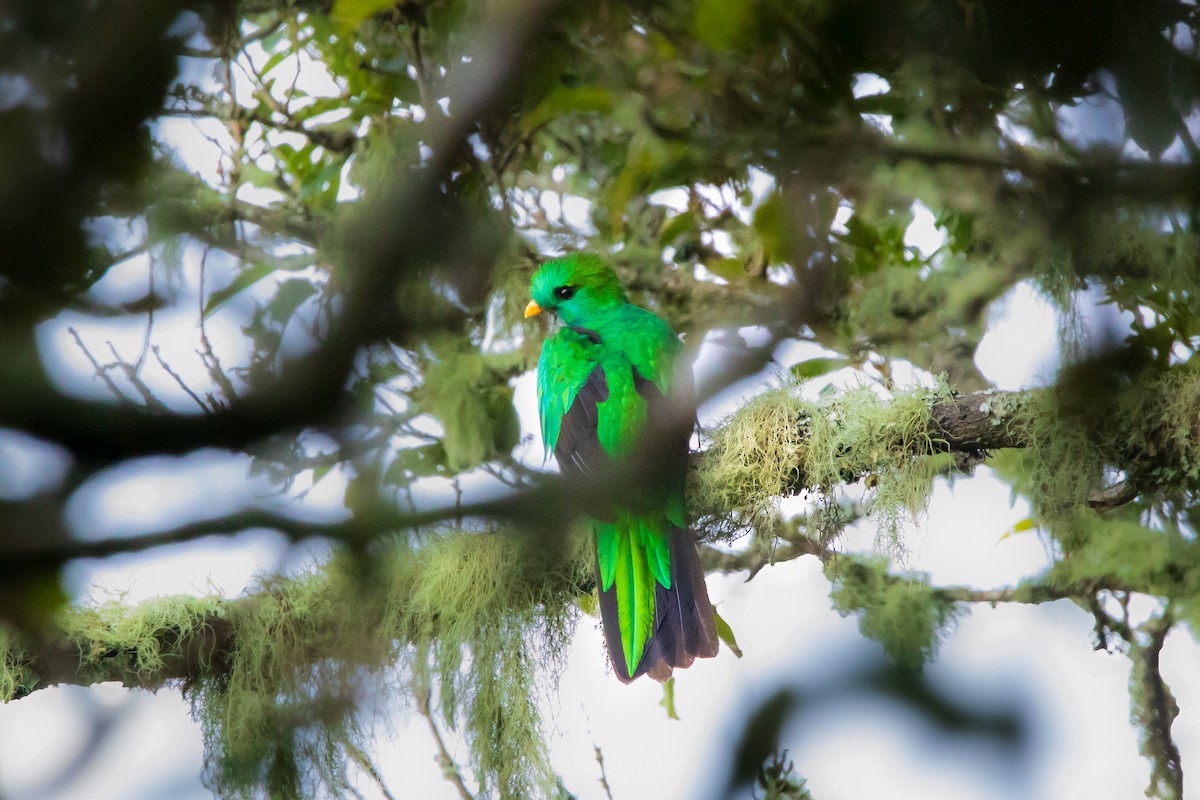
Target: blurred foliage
[(776, 781), (375, 182), (908, 617)]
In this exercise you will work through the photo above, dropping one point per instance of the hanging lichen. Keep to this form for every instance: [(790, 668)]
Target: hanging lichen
[(887, 442), (145, 635), (906, 615), (483, 616), (1081, 432), (289, 675)]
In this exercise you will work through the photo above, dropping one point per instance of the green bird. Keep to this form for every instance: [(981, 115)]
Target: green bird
[(608, 373)]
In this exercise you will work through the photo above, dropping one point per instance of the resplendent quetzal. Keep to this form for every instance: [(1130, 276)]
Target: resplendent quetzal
[(608, 370)]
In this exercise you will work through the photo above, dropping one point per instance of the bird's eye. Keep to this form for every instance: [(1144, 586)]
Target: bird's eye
[(564, 292)]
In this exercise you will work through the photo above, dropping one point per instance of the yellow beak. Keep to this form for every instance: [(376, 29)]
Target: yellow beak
[(532, 310)]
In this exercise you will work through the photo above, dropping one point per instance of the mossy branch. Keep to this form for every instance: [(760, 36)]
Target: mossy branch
[(269, 671), (1155, 710), (760, 454)]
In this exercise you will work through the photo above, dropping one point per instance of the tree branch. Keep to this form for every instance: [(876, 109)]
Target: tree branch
[(1155, 710), (450, 770)]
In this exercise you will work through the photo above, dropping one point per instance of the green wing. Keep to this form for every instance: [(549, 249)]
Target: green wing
[(568, 359)]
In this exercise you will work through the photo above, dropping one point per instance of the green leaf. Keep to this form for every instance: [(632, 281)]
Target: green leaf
[(770, 225), (731, 269), (416, 462), (677, 226), (725, 634), (860, 233), (1027, 524), (722, 24), (882, 103), (244, 280), (473, 402), (1151, 119), (257, 176), (291, 295), (564, 101), (362, 491), (323, 181), (958, 227), (274, 61), (815, 367), (351, 13), (668, 699)]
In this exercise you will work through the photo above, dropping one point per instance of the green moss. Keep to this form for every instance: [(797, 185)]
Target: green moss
[(141, 637), (861, 434), (473, 618), (904, 614), (1117, 550), (778, 444), (757, 456), (487, 613), (1102, 417), (16, 679), (268, 716)]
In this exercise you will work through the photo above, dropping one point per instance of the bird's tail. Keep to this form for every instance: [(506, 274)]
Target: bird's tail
[(685, 626)]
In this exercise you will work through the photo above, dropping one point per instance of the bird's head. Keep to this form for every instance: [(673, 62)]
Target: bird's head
[(575, 287)]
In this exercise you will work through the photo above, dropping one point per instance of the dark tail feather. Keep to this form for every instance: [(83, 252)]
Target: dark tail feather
[(685, 627)]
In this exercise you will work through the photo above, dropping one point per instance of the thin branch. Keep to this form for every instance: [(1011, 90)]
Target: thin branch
[(754, 559), (207, 356), (1029, 593), (101, 371), (1155, 710), (149, 319), (960, 424), (364, 762), (1114, 496), (179, 380), (450, 770), (1155, 181), (132, 374)]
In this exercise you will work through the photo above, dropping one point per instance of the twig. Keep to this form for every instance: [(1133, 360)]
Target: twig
[(450, 770), (135, 379), (211, 362), (101, 371), (149, 319), (603, 775), (179, 380), (1031, 593), (364, 761)]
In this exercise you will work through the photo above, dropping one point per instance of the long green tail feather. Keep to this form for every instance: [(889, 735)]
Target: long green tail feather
[(633, 556)]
